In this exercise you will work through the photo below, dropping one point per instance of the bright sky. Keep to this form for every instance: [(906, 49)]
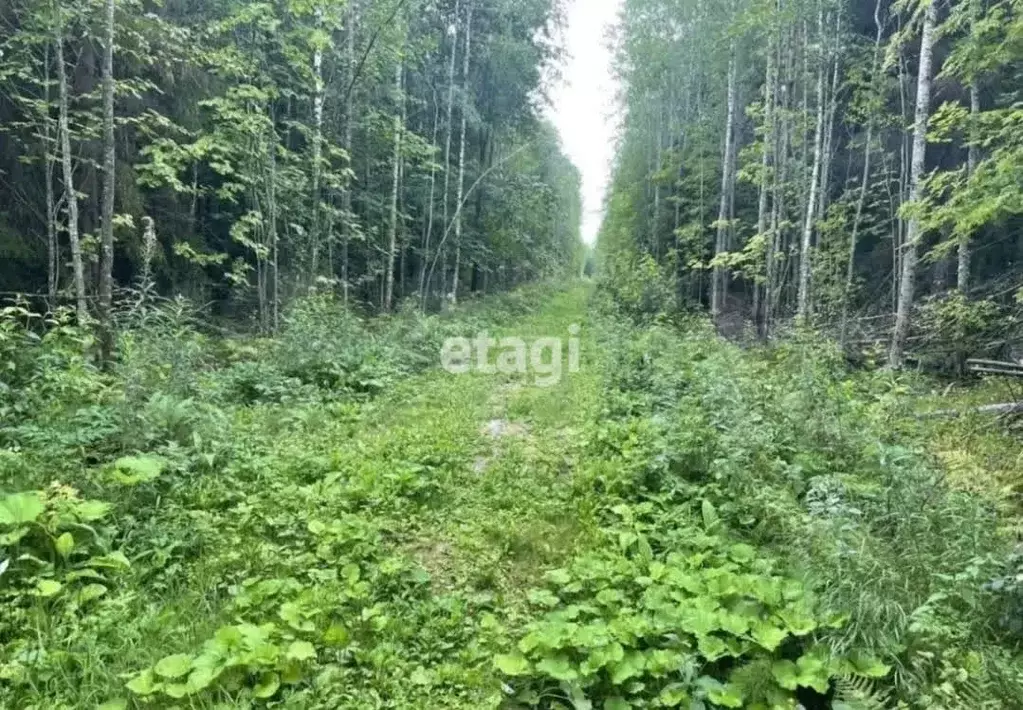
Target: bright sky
[(583, 103)]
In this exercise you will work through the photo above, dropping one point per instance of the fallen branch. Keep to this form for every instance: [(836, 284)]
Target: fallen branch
[(995, 409), (995, 371)]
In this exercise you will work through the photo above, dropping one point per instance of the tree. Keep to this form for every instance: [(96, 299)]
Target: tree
[(70, 196), (803, 311), (913, 233), (399, 126), (106, 269), (459, 190)]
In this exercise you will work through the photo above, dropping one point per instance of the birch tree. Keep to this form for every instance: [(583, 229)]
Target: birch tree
[(395, 185), (70, 196), (805, 252), (907, 287), (106, 269), (460, 189), (719, 288)]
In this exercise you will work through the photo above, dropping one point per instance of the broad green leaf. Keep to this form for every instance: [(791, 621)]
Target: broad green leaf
[(742, 553), (630, 666), (813, 673), (710, 516), (617, 703), (559, 577), (797, 621), (869, 666), (205, 670), (176, 690), (144, 683), (91, 592), (47, 588), (712, 648), (269, 684), (336, 636), (768, 635), (133, 470), (20, 509), (729, 696), (88, 511), (300, 651), (786, 674), (113, 705), (115, 560), (673, 696), (557, 667), (512, 664), (175, 666), (65, 544)]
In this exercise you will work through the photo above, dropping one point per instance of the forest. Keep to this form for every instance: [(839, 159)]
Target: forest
[(852, 164), (781, 470), (246, 152)]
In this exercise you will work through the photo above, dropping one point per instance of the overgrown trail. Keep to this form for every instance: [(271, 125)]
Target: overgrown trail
[(351, 555), (679, 523)]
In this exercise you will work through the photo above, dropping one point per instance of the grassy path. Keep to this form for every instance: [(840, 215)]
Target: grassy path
[(649, 531), (367, 556)]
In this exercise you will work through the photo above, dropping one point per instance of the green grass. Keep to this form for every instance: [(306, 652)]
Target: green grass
[(680, 521)]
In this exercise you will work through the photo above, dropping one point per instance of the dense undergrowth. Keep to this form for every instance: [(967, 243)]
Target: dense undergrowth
[(776, 532), (237, 504), (322, 521)]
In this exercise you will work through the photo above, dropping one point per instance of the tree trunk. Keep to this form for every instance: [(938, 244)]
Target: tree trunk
[(658, 159), (70, 196), (392, 231), (850, 273), (765, 167), (909, 257), (346, 196), (318, 99), (971, 161), (449, 132), (274, 238), (428, 232), (718, 294), (106, 267), (461, 157), (805, 252), (829, 131), (49, 153)]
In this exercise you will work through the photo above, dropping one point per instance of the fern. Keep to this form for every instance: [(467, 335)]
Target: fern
[(853, 692)]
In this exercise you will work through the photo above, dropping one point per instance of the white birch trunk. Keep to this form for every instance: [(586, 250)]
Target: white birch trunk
[(49, 157), (805, 251), (392, 230), (70, 196), (909, 257), (318, 99), (449, 133), (460, 189), (718, 295), (765, 166), (346, 197), (963, 280)]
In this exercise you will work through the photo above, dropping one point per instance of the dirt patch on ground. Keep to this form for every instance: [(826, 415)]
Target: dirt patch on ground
[(501, 428), (437, 558)]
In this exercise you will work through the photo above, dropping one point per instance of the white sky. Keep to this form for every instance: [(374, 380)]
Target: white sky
[(583, 103)]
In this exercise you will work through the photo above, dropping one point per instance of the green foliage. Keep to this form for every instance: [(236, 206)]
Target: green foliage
[(823, 474), (55, 563), (668, 614), (958, 328)]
